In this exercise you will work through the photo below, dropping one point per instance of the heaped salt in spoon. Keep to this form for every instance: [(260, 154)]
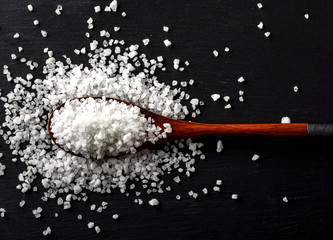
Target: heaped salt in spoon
[(95, 128)]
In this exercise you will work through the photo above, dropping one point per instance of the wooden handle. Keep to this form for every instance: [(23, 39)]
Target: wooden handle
[(188, 129)]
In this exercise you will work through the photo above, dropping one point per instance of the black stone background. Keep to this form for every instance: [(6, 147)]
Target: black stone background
[(299, 52)]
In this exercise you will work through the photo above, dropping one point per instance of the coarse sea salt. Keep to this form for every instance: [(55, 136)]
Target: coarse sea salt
[(95, 128), (115, 70), (215, 96), (285, 120)]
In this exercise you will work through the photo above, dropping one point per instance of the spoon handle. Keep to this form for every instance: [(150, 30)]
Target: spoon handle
[(183, 129)]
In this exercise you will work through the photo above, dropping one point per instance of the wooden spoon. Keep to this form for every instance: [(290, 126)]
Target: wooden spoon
[(183, 129)]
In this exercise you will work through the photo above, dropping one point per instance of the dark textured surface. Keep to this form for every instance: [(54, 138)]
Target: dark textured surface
[(300, 52)]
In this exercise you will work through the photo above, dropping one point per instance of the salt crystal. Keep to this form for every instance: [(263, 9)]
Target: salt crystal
[(30, 8), (234, 196), (219, 146), (285, 120), (167, 43), (215, 96), (255, 157)]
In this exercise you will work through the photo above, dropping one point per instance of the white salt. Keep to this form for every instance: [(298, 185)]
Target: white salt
[(167, 42), (219, 146), (285, 120), (255, 157), (153, 202), (215, 96), (234, 196)]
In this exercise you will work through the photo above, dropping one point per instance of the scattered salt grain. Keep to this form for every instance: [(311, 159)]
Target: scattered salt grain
[(97, 9), (145, 41), (13, 56), (255, 157), (20, 49), (285, 120), (97, 229), (30, 8), (43, 33), (295, 89), (306, 16), (259, 5), (215, 53), (153, 202), (58, 10), (177, 179), (260, 25), (216, 189), (123, 14), (115, 216), (22, 203), (218, 182), (178, 197), (167, 43), (16, 35), (234, 196), (36, 22), (91, 225), (205, 191), (267, 34), (47, 231), (79, 217), (116, 29), (228, 106), (285, 199), (56, 215), (226, 49), (219, 146), (215, 96), (114, 5), (226, 98), (2, 212), (241, 79), (165, 29)]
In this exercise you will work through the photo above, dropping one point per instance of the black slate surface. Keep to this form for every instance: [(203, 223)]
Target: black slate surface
[(299, 52)]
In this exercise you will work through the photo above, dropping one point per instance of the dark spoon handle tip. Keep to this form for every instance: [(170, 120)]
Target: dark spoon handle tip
[(320, 129)]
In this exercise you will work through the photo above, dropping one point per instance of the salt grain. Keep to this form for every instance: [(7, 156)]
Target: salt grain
[(234, 196), (215, 96), (255, 157), (30, 8), (215, 53), (167, 43), (285, 120), (260, 25), (153, 202), (43, 33), (219, 146), (241, 79)]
